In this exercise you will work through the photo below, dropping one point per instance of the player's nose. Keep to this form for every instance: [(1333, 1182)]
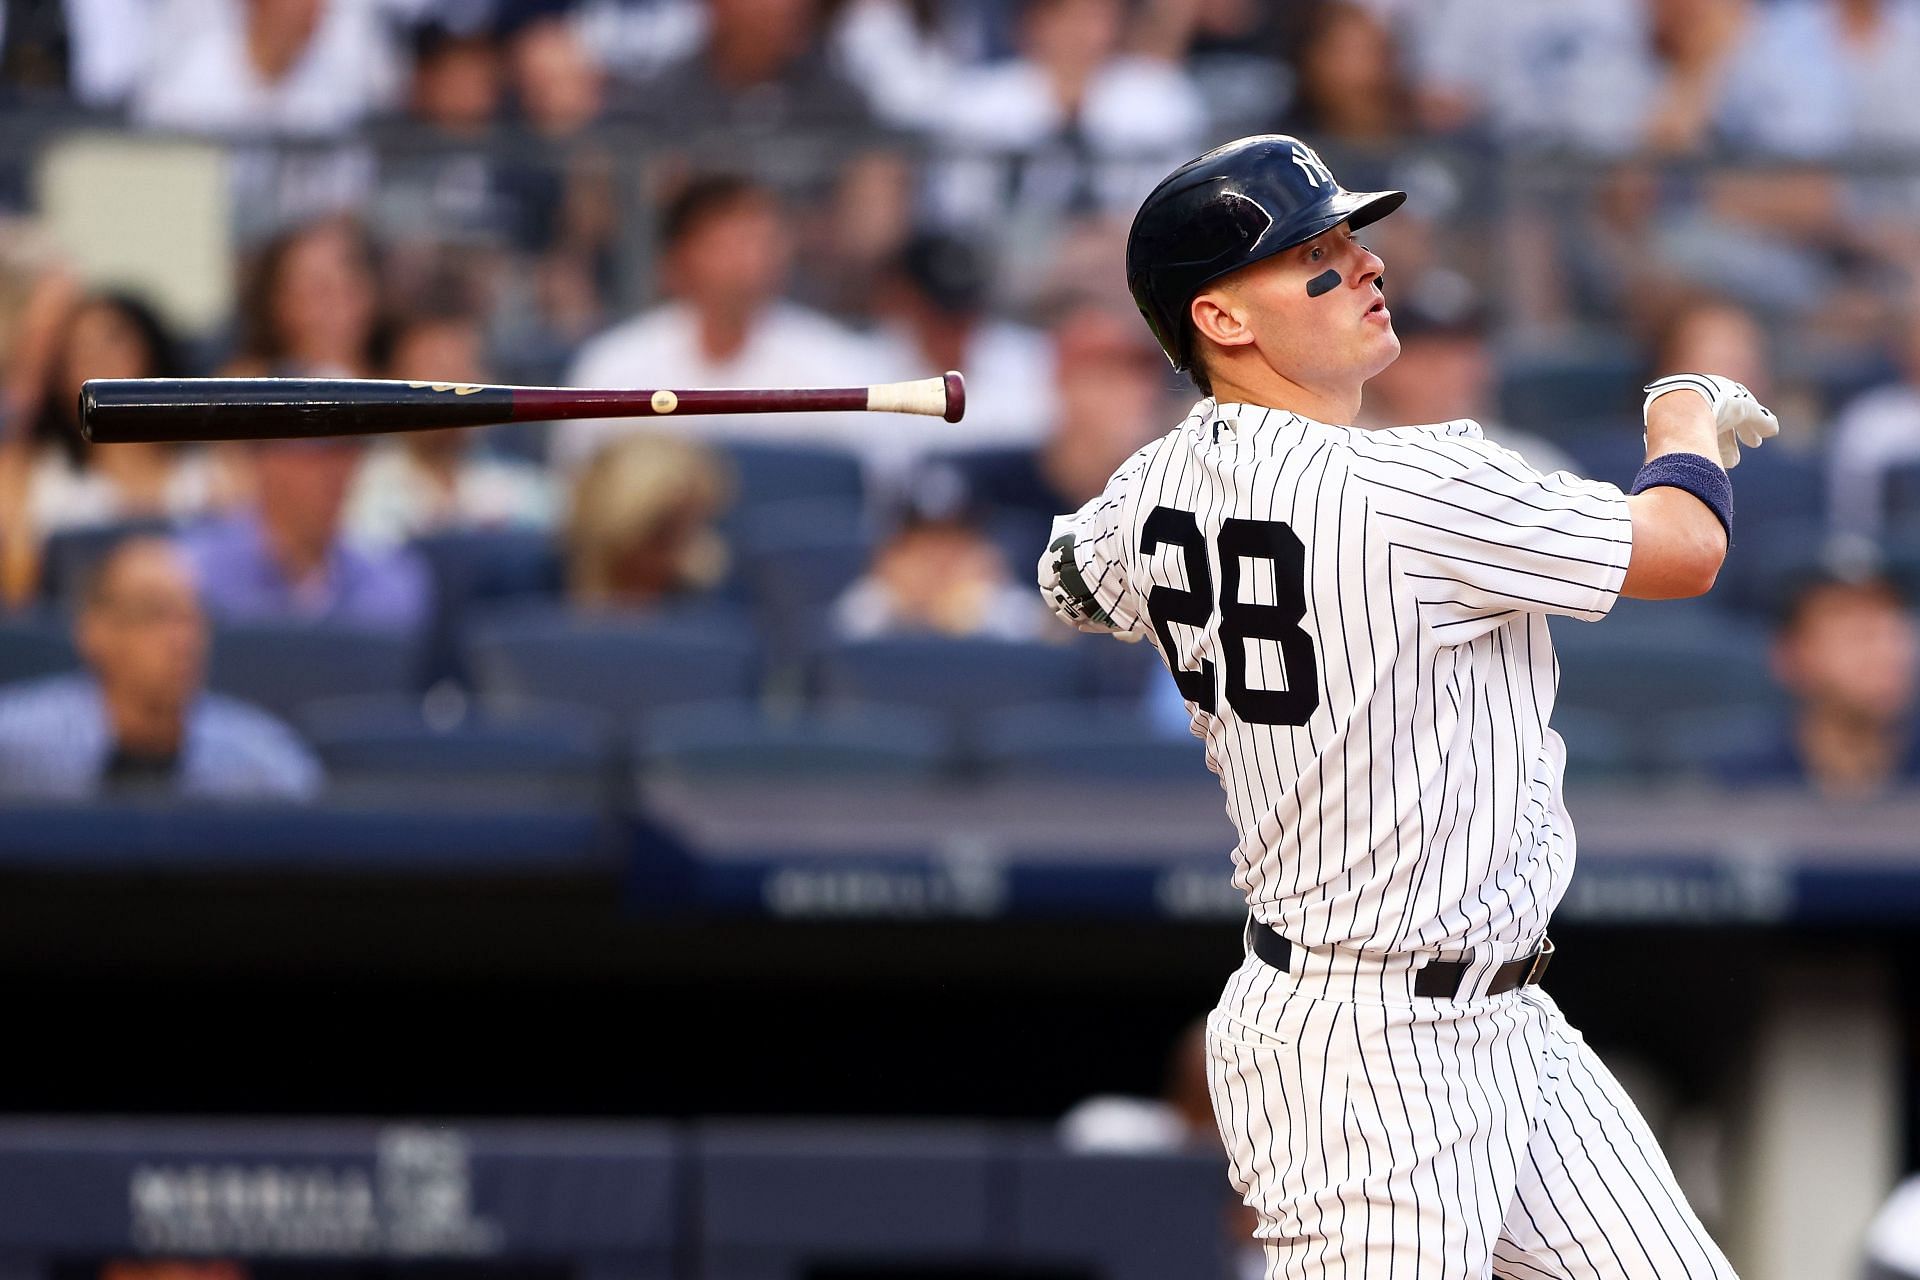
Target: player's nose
[(1371, 267)]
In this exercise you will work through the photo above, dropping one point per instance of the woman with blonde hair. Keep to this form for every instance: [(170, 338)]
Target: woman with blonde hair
[(641, 525)]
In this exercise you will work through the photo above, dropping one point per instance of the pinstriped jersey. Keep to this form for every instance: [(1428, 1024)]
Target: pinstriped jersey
[(1358, 622)]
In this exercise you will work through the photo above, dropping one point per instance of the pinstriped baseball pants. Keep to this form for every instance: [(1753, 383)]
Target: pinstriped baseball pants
[(1388, 1137)]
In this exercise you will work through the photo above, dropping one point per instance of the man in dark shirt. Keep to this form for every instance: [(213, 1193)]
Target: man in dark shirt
[(761, 69)]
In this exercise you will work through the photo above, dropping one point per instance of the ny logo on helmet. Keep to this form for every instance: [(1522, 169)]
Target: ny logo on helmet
[(1312, 165)]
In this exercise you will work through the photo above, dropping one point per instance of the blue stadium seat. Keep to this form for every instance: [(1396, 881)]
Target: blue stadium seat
[(774, 1201), (398, 750), (1610, 450), (1602, 746), (964, 677), (35, 644), (1769, 559), (735, 740), (795, 559), (1545, 392), (71, 554), (1091, 741), (477, 568), (622, 664), (1127, 1217), (1662, 656), (767, 473), (283, 666), (1708, 745)]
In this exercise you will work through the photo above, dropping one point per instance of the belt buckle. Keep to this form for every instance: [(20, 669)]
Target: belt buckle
[(1538, 969)]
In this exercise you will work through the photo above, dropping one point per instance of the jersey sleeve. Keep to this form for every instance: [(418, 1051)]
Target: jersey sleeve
[(1083, 572), (1481, 534)]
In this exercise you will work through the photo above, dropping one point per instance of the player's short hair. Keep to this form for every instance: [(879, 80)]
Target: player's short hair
[(704, 199), (1197, 367)]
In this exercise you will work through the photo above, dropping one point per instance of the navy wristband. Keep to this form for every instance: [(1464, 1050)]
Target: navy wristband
[(1694, 473)]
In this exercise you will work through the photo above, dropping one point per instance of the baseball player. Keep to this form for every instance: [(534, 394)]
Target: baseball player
[(1358, 622)]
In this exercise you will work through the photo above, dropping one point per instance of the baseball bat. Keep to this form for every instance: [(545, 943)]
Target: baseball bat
[(123, 410)]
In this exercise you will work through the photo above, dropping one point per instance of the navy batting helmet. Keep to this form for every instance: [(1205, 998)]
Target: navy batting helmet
[(1234, 205)]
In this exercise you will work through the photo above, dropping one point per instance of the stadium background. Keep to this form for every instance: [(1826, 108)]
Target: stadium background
[(721, 801)]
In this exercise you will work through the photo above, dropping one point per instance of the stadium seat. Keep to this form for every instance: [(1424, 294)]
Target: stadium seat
[(736, 740), (1709, 745), (399, 750), (768, 473), (35, 644), (476, 568), (1666, 656), (1602, 746), (795, 559), (963, 677), (775, 1200), (1547, 392), (282, 666), (1090, 741), (71, 554), (621, 664), (1124, 1217), (1769, 560)]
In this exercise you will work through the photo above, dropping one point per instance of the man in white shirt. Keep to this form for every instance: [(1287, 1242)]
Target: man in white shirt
[(252, 67), (725, 252)]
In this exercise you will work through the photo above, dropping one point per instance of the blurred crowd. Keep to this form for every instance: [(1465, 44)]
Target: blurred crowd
[(809, 192)]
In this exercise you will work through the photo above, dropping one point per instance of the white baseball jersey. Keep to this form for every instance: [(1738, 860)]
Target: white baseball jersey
[(1358, 621)]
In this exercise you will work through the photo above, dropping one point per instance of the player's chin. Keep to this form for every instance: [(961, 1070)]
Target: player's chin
[(1382, 346)]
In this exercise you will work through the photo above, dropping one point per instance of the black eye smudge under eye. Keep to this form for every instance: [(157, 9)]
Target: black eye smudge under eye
[(1325, 282)]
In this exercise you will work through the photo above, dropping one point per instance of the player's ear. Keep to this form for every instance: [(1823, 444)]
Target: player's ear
[(1217, 315)]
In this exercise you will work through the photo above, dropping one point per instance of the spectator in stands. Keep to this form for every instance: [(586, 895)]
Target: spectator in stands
[(1573, 74), (429, 481), (1847, 652), (284, 558), (905, 53), (74, 485), (458, 83), (1446, 372), (1875, 433), (139, 721), (724, 260), (760, 68), (558, 85), (1110, 394), (937, 574), (262, 67), (1096, 126), (1239, 53), (1350, 86), (933, 306), (641, 528), (311, 305), (1853, 65), (37, 294)]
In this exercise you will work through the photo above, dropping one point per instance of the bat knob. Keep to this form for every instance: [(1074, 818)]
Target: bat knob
[(956, 396), (88, 403)]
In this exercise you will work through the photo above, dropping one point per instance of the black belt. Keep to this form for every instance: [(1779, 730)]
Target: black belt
[(1438, 978)]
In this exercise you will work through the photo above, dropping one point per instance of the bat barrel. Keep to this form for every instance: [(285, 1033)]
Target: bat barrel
[(118, 410)]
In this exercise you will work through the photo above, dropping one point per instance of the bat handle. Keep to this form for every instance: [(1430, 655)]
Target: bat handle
[(943, 397)]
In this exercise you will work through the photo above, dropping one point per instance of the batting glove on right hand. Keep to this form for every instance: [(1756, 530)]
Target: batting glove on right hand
[(1741, 419)]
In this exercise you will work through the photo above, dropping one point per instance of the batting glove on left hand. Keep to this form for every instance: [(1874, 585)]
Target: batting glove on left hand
[(1741, 419)]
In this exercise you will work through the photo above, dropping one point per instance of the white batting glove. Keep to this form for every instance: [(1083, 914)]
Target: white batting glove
[(1741, 419)]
